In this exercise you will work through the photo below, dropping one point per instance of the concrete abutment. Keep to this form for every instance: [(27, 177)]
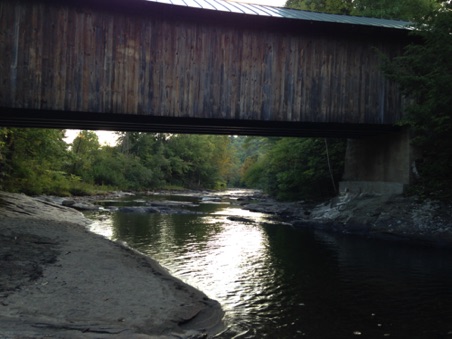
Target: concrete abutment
[(378, 165)]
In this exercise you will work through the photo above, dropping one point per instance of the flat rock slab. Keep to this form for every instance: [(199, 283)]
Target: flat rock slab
[(63, 281)]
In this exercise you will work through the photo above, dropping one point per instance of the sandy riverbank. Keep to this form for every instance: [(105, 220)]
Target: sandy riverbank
[(58, 280)]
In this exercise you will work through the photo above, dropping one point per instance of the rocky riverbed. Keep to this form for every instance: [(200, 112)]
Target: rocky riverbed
[(391, 217), (396, 218)]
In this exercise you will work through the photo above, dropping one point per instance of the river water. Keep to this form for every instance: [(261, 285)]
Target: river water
[(277, 282)]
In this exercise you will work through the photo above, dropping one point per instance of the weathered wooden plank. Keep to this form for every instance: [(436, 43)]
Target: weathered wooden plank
[(203, 75), (215, 58), (224, 70), (4, 50), (133, 55), (308, 109), (15, 43), (237, 45), (69, 92), (117, 64), (85, 53), (179, 70), (191, 71), (142, 68), (154, 69), (36, 70), (101, 41), (91, 71), (60, 59), (22, 61), (107, 85)]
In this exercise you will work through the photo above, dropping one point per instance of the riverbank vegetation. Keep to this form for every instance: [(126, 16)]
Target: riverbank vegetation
[(38, 161), (294, 168)]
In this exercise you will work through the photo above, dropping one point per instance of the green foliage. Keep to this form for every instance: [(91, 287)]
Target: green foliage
[(156, 160), (112, 168), (424, 73), (294, 168), (388, 9), (32, 161), (199, 160), (401, 9), (84, 150), (38, 161), (242, 148), (145, 160), (325, 6)]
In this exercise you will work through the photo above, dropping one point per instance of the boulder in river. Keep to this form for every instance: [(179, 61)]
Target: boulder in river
[(138, 209), (240, 219)]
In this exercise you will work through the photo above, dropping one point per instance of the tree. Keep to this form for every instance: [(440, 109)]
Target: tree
[(424, 73), (324, 6), (295, 168), (200, 160), (32, 160), (148, 162), (401, 9), (388, 9), (84, 150), (197, 161), (241, 159), (254, 159)]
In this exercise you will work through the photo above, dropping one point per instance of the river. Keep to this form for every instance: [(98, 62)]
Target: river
[(277, 282)]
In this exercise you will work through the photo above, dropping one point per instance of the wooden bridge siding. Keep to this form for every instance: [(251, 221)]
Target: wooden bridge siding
[(62, 58)]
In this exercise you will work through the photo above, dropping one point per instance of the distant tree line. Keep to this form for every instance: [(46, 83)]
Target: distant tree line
[(38, 161)]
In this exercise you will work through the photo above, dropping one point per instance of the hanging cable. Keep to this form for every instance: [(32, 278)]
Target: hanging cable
[(329, 165)]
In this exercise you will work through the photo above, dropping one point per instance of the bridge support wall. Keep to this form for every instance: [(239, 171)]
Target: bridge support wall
[(378, 165)]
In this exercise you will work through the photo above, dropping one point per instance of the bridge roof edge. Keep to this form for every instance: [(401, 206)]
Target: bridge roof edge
[(285, 13)]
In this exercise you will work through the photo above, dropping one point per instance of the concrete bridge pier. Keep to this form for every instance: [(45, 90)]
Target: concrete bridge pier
[(378, 165)]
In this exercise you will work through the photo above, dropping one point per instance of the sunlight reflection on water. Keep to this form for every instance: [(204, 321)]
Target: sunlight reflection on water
[(102, 227), (229, 257)]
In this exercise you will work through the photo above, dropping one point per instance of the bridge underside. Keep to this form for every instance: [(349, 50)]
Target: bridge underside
[(16, 117)]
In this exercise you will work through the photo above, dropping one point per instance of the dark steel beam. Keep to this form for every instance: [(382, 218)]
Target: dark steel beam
[(13, 117)]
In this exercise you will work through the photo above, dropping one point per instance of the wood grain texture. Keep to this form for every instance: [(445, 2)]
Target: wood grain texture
[(69, 58)]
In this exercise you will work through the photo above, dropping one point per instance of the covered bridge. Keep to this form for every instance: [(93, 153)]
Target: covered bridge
[(209, 66), (206, 66)]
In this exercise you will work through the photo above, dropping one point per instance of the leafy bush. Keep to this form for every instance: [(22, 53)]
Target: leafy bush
[(424, 73), (294, 168)]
